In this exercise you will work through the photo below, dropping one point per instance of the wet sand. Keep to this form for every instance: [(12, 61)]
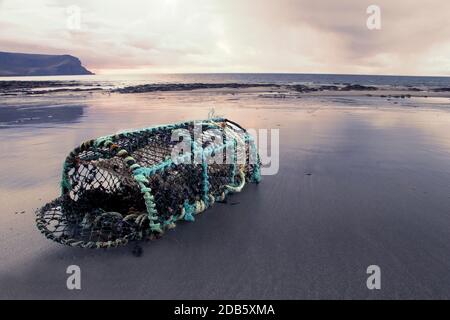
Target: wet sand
[(363, 180)]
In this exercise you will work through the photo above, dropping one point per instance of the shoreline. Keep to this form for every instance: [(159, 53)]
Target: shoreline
[(62, 106), (31, 88)]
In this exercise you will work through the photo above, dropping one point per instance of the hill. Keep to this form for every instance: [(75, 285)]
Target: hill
[(24, 64)]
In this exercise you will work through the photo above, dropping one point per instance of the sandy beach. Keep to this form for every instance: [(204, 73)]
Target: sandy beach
[(364, 179)]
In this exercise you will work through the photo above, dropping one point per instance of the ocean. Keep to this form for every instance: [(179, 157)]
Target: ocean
[(115, 81)]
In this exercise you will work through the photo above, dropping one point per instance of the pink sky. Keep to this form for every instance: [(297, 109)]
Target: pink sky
[(309, 36)]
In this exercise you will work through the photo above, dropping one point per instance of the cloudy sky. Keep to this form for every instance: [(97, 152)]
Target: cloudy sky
[(311, 36)]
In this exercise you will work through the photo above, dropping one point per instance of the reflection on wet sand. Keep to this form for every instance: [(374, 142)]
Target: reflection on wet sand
[(32, 115), (359, 183)]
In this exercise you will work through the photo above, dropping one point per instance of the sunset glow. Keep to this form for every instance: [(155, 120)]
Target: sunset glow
[(305, 36)]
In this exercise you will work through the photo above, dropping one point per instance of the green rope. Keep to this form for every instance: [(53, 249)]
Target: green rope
[(238, 188), (156, 223), (189, 211)]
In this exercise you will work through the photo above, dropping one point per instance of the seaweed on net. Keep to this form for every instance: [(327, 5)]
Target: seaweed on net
[(128, 187)]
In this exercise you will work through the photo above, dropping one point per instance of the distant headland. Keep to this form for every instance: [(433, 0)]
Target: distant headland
[(24, 64)]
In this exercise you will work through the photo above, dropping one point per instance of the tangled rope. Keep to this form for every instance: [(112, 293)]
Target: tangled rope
[(127, 187)]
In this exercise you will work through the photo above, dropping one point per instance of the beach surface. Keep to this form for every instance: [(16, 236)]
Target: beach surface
[(364, 179)]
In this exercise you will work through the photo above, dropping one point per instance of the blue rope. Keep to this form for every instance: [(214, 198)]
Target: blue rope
[(189, 211)]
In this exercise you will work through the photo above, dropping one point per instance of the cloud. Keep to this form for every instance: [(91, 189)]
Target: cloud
[(236, 35)]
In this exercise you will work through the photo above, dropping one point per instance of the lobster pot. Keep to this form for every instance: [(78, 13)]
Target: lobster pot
[(137, 184)]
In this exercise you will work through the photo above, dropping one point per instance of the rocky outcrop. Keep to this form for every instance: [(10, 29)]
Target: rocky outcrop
[(23, 64), (188, 87)]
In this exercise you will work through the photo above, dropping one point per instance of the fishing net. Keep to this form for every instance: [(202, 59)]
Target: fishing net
[(135, 185)]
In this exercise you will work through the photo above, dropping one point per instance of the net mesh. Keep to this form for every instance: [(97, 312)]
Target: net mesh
[(137, 184)]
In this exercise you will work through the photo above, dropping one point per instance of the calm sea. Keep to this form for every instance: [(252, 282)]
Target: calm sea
[(275, 78)]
